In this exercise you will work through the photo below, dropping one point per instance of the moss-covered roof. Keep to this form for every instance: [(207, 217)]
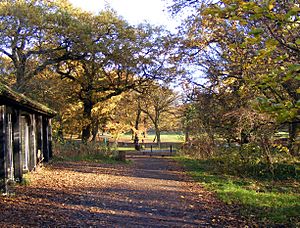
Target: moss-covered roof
[(18, 99)]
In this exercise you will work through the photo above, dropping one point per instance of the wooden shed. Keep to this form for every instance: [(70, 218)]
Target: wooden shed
[(25, 135)]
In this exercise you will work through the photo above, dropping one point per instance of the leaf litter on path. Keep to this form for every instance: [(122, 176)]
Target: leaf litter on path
[(149, 192)]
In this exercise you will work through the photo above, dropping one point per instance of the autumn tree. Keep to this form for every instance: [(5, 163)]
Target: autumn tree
[(118, 58), (36, 34), (157, 102), (139, 121), (49, 89), (272, 70), (96, 56), (128, 117), (247, 48)]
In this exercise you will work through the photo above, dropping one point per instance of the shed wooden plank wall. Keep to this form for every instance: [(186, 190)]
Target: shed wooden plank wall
[(25, 141)]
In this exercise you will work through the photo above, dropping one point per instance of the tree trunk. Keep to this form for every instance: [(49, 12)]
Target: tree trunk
[(154, 138), (95, 130), (293, 131), (60, 132), (136, 142), (187, 134), (86, 133), (20, 81), (20, 73), (157, 134), (245, 137), (136, 136), (265, 145), (87, 115)]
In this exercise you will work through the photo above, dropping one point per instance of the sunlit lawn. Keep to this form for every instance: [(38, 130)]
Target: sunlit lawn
[(271, 202), (165, 137)]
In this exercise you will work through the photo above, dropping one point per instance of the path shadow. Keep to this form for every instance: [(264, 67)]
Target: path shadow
[(143, 167), (150, 192)]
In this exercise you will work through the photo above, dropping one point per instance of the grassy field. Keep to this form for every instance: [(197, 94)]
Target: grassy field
[(272, 203), (165, 137)]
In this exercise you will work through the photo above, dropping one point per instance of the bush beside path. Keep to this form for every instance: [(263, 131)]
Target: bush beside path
[(148, 192)]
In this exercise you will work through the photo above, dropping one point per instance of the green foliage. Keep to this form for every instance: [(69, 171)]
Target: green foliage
[(249, 160), (272, 202), (200, 147), (248, 52)]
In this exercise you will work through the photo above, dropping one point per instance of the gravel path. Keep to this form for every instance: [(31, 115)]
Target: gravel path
[(150, 192)]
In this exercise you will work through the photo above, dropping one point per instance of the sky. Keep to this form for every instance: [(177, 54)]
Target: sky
[(134, 11)]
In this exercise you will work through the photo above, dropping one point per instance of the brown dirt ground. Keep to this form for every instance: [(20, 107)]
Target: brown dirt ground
[(149, 192)]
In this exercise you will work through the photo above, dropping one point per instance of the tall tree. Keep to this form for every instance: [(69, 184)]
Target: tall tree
[(36, 34), (118, 58), (157, 102), (250, 48)]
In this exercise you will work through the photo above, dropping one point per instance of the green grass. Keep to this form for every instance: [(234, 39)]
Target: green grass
[(147, 148), (270, 202), (165, 137), (171, 137), (125, 149)]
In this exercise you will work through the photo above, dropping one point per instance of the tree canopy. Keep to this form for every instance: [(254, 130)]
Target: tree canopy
[(97, 57), (248, 53), (235, 64)]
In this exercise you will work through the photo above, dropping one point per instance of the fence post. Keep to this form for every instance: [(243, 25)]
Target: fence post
[(171, 149)]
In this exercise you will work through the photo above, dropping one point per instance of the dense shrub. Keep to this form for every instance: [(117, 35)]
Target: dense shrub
[(248, 160), (81, 151)]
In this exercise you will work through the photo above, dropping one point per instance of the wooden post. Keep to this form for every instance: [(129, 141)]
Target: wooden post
[(32, 140), (2, 148), (45, 137), (39, 136), (25, 135), (9, 154), (17, 155), (50, 139)]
